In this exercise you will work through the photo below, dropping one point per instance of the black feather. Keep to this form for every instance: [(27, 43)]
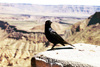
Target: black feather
[(52, 36)]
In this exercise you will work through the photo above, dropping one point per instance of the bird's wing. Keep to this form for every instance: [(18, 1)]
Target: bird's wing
[(55, 35), (58, 37)]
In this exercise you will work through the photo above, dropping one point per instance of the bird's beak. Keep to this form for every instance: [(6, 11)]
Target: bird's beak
[(50, 22)]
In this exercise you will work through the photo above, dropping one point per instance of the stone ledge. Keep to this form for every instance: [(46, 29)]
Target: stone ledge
[(83, 55)]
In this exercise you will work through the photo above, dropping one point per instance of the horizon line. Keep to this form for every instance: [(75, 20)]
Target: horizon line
[(52, 4)]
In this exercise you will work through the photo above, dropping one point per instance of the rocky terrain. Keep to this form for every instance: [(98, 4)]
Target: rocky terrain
[(30, 22), (86, 31), (17, 46)]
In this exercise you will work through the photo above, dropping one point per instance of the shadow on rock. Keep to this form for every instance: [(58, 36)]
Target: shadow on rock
[(60, 48)]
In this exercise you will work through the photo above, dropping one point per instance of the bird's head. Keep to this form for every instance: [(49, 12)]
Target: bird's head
[(48, 22)]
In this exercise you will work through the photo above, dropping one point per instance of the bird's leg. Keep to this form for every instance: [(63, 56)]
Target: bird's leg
[(53, 46), (63, 44)]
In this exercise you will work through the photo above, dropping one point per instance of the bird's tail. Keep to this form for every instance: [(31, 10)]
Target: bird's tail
[(68, 43), (71, 44)]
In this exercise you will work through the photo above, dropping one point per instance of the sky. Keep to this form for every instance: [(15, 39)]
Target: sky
[(55, 2)]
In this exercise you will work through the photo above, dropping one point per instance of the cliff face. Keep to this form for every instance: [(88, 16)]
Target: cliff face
[(87, 31), (31, 8), (18, 46), (81, 25)]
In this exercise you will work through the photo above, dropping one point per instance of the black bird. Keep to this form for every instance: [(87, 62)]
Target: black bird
[(52, 36)]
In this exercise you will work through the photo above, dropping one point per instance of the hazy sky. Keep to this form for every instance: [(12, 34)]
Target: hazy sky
[(55, 2)]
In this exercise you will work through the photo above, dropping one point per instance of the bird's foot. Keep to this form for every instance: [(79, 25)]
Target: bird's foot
[(52, 49)]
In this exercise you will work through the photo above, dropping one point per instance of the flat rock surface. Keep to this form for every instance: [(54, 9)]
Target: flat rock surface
[(83, 55)]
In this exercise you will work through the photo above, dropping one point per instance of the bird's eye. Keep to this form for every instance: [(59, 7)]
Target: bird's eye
[(47, 22)]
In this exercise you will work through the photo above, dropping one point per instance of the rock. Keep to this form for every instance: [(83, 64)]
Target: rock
[(3, 61), (83, 55), (89, 35), (25, 54), (13, 62), (18, 53), (75, 27), (9, 53), (92, 20), (83, 24)]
